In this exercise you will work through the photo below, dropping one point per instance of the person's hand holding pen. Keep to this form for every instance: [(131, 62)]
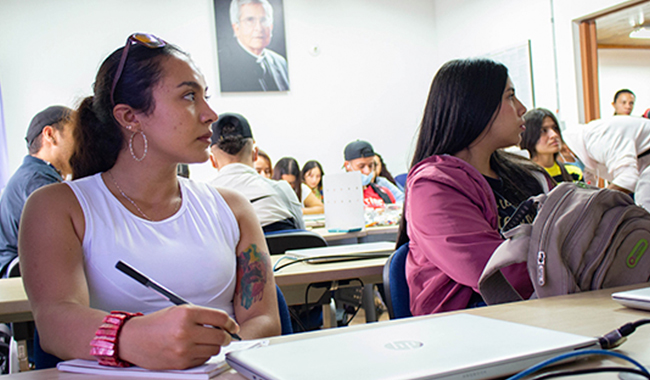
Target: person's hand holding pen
[(175, 337), (183, 336)]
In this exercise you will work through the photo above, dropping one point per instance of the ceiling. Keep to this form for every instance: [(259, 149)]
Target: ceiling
[(612, 30)]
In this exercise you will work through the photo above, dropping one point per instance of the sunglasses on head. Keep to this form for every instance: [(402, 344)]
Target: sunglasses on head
[(144, 39)]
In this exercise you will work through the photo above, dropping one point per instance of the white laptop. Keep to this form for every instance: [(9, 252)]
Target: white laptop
[(459, 346), (638, 299), (343, 252)]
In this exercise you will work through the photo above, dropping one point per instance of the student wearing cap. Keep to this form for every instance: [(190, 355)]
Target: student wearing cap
[(50, 144), (234, 153), (360, 157), (617, 149)]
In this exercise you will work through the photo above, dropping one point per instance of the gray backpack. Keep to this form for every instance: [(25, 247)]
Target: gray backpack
[(581, 239)]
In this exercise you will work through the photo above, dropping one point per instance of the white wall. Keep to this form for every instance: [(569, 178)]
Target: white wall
[(623, 68), (476, 27), (370, 80)]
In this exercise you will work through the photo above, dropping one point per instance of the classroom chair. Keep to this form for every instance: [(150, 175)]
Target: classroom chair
[(43, 360), (401, 180), (395, 286), (281, 241)]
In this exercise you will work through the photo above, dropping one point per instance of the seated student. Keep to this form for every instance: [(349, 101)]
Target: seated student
[(462, 187), (543, 140), (148, 113), (233, 153), (288, 169), (50, 143), (312, 176), (360, 157), (263, 165), (623, 102), (383, 178)]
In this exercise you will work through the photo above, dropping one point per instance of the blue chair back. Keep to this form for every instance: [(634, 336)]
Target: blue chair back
[(401, 180), (396, 288), (285, 316), (42, 360)]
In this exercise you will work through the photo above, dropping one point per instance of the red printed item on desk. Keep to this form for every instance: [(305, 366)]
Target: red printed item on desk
[(105, 343)]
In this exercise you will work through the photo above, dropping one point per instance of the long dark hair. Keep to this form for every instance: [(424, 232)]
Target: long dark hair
[(384, 171), (309, 165), (463, 99), (289, 165), (99, 138), (534, 120)]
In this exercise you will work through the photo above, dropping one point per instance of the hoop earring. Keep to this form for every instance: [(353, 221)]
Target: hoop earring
[(144, 137)]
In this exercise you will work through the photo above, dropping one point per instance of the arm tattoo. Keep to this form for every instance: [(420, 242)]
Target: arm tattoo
[(251, 271)]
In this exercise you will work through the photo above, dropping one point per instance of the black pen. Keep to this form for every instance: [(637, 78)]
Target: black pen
[(146, 281)]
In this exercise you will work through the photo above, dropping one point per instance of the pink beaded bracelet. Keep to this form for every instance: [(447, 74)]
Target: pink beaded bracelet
[(105, 344)]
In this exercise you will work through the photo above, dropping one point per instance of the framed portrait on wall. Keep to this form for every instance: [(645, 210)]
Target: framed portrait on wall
[(251, 45)]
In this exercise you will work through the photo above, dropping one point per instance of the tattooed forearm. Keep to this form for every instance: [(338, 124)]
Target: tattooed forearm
[(251, 271)]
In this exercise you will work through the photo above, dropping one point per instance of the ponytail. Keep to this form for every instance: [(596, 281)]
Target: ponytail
[(97, 143)]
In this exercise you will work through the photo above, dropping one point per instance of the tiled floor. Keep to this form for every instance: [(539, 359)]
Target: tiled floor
[(360, 318)]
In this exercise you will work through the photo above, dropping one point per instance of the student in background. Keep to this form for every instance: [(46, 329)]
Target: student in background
[(543, 140), (263, 165), (461, 187), (287, 169), (50, 143), (360, 157), (233, 153), (623, 102), (148, 113), (383, 178), (312, 176), (617, 149)]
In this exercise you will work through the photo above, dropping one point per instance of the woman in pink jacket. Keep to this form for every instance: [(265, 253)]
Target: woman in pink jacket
[(462, 188)]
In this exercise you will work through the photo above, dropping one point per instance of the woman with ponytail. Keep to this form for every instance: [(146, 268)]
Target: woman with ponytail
[(462, 187), (149, 112), (543, 140)]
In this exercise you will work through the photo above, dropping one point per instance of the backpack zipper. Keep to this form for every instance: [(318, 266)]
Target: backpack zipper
[(541, 268), (541, 254)]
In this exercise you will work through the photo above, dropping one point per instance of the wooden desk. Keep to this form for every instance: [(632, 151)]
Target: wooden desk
[(590, 314), (293, 280), (14, 306), (366, 235)]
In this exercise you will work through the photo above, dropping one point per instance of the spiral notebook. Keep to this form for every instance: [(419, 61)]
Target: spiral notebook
[(213, 367)]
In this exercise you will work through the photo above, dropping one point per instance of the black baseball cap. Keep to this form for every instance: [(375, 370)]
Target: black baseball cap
[(50, 115), (240, 124), (358, 149)]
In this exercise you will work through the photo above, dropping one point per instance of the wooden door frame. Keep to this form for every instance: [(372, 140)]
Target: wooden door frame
[(587, 60)]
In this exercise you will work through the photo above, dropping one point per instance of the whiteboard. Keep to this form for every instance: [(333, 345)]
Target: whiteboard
[(519, 62)]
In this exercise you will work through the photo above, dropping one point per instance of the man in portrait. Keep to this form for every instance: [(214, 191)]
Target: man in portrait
[(246, 64)]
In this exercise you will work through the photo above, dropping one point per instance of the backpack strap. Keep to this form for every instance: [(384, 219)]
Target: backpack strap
[(541, 178), (493, 285)]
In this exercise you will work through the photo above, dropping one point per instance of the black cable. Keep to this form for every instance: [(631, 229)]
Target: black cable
[(358, 306), (587, 371), (333, 257), (296, 317), (616, 337)]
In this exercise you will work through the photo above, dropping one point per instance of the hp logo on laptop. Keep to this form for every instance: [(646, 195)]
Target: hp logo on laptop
[(402, 345)]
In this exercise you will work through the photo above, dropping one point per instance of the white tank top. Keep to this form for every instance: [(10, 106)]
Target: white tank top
[(191, 253)]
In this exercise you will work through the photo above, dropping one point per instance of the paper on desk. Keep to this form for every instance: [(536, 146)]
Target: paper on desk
[(214, 366)]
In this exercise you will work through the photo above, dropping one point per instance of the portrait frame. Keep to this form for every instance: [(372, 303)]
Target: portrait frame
[(238, 69)]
